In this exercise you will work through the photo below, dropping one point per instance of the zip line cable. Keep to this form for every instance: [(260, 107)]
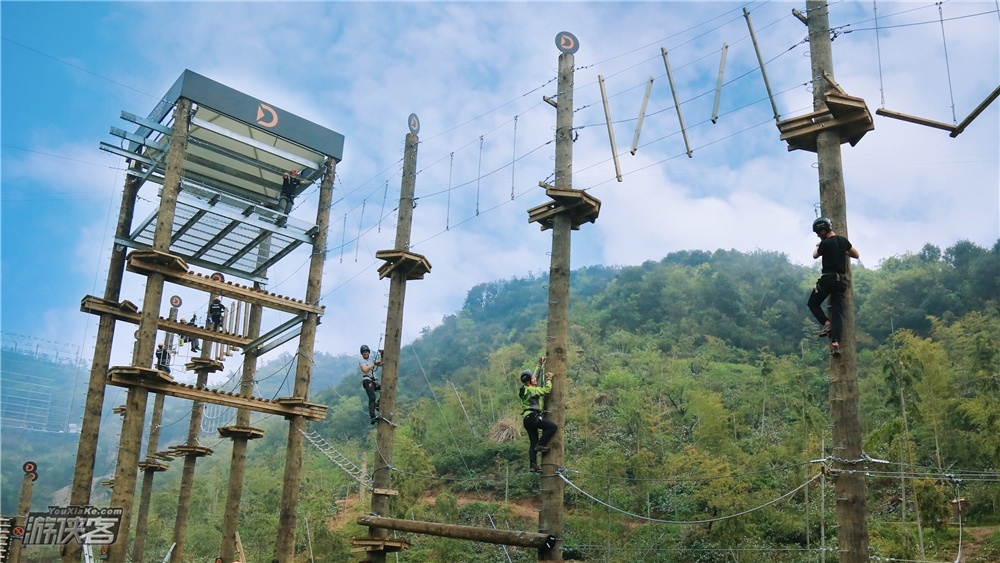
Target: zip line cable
[(947, 65), (878, 50)]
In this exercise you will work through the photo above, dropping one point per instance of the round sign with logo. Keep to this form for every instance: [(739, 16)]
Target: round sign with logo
[(175, 301), (216, 276), (567, 42), (413, 122), (29, 466), (17, 532)]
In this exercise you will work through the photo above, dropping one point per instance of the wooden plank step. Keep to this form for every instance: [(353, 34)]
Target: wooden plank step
[(245, 432), (415, 265)]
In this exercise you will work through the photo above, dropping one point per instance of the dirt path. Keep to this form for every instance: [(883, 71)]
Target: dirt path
[(972, 540)]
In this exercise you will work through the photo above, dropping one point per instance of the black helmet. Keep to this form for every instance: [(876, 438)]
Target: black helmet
[(365, 348), (526, 375), (822, 224)]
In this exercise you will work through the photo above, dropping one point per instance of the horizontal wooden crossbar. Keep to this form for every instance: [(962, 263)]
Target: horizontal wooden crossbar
[(151, 261), (129, 376), (126, 311), (502, 537)]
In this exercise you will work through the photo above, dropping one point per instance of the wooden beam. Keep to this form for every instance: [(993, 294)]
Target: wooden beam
[(975, 113), (913, 119), (471, 533), (122, 312), (128, 376), (139, 261)]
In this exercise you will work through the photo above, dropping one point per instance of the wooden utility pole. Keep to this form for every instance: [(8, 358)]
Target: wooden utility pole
[(852, 534), (400, 265), (83, 475), (285, 548), (568, 209), (23, 508), (150, 467), (123, 493), (192, 450), (241, 433)]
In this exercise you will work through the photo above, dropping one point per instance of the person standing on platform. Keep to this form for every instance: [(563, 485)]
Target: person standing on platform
[(216, 312), (369, 380), (532, 409), (290, 183), (162, 359), (195, 343), (833, 283)]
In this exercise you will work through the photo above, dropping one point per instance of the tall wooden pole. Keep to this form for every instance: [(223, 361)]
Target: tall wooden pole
[(123, 494), (386, 433), (149, 471), (285, 548), (237, 464), (86, 453), (550, 518), (190, 460), (852, 534), (23, 508)]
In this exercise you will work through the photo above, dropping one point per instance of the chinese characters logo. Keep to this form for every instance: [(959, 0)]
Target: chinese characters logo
[(86, 525)]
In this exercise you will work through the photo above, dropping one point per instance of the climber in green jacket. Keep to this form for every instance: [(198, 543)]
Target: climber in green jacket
[(532, 407)]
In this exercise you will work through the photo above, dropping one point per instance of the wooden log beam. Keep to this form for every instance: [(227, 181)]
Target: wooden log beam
[(121, 312), (471, 533), (140, 261), (287, 406), (914, 119)]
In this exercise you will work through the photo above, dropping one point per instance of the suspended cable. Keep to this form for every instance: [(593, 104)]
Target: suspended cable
[(719, 519), (479, 173), (357, 247), (878, 48), (513, 159), (447, 217), (947, 65), (382, 213)]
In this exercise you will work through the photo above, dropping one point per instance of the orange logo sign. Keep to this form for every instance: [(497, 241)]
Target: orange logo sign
[(263, 109)]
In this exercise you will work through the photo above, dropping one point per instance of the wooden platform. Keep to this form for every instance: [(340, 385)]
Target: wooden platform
[(583, 207), (192, 451), (847, 115), (151, 261), (126, 311), (204, 364), (128, 376), (245, 432), (387, 545), (415, 265), (151, 465)]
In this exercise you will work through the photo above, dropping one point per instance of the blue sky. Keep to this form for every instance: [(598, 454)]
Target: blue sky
[(467, 69)]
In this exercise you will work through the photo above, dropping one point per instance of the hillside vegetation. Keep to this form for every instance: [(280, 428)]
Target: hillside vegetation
[(697, 390)]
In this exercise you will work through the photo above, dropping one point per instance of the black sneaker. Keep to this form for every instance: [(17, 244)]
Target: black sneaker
[(835, 348), (825, 331), (374, 420), (534, 469), (540, 448)]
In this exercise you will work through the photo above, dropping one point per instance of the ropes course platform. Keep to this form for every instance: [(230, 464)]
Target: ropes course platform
[(151, 465), (127, 311), (583, 207), (847, 115), (245, 432), (174, 270), (415, 265), (379, 544), (159, 382)]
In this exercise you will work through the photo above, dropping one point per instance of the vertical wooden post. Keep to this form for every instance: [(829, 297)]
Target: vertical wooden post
[(852, 534), (187, 474), (146, 491), (83, 474), (123, 493), (23, 508), (550, 518), (285, 548), (385, 435), (237, 465)]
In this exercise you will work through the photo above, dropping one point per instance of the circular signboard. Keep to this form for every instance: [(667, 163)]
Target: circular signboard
[(175, 301), (218, 277), (29, 466), (567, 42), (413, 122)]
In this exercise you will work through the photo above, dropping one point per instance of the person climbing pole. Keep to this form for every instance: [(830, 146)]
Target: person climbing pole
[(369, 379), (532, 409), (832, 283), (216, 312), (162, 358)]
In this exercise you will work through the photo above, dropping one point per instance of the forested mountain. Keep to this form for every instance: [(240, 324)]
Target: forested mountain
[(697, 390)]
